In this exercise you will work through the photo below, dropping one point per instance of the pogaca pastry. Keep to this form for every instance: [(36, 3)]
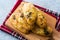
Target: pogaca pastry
[(25, 18)]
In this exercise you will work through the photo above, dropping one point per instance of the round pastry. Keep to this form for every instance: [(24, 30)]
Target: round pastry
[(30, 13), (41, 21), (47, 31), (39, 31), (18, 21)]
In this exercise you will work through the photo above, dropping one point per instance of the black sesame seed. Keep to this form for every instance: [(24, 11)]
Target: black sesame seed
[(22, 15), (14, 17), (41, 23), (28, 16), (46, 32), (30, 13), (43, 17)]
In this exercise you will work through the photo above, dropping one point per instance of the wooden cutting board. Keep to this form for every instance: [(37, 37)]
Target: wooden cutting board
[(51, 21)]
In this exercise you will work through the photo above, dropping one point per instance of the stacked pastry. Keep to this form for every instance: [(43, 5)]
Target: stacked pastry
[(28, 19)]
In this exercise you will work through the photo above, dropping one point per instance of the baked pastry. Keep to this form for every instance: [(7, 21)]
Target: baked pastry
[(30, 13), (25, 17), (41, 21), (47, 31), (18, 22)]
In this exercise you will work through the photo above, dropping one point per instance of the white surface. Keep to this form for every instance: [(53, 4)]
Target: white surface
[(7, 5)]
